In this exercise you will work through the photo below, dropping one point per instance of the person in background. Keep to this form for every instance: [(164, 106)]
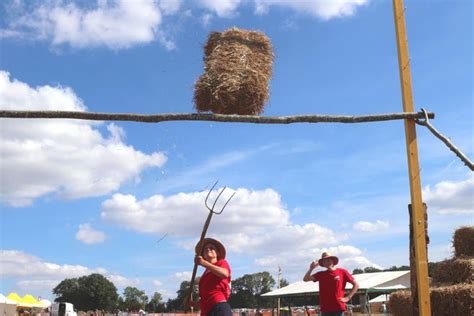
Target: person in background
[(214, 286), (332, 283)]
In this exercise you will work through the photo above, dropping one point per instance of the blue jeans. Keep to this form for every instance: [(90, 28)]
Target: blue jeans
[(220, 309), (339, 313)]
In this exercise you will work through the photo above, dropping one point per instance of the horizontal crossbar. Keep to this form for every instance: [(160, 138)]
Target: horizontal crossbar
[(156, 118)]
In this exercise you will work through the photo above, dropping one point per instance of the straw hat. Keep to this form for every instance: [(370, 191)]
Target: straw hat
[(326, 255), (220, 247)]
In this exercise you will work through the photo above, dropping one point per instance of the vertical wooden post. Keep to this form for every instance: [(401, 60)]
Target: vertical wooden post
[(414, 288), (421, 263)]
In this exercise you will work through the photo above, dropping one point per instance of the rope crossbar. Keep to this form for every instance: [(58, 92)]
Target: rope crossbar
[(156, 118), (445, 140)]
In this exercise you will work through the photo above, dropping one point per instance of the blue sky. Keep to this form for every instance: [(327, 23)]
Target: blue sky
[(79, 197)]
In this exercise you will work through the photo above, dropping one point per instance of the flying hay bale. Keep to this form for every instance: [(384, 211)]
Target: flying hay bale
[(400, 303), (453, 300), (238, 68), (454, 271), (463, 242)]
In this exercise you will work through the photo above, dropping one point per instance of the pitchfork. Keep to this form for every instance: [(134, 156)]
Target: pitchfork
[(204, 230)]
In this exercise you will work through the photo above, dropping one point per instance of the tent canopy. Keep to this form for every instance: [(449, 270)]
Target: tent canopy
[(380, 299), (29, 299), (14, 297), (5, 300), (374, 282)]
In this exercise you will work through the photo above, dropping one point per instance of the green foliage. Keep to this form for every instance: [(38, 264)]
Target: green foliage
[(92, 292), (284, 282), (371, 270), (357, 271), (392, 268), (155, 305), (247, 290), (134, 299), (177, 303), (400, 268)]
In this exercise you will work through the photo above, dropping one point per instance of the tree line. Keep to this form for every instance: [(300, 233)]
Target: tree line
[(96, 292), (431, 267)]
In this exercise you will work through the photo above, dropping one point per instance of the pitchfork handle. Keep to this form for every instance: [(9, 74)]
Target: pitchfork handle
[(203, 234)]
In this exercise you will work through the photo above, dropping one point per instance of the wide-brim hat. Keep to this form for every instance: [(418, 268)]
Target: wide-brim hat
[(326, 255), (220, 247)]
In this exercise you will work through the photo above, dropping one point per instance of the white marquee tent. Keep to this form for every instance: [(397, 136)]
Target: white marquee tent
[(387, 281), (7, 306)]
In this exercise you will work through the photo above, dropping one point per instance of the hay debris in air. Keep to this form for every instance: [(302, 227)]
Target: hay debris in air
[(238, 68)]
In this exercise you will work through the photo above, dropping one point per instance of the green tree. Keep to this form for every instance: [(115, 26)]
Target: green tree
[(177, 303), (371, 270), (284, 282), (92, 292), (400, 268), (68, 290), (156, 305), (134, 299), (247, 290), (357, 271)]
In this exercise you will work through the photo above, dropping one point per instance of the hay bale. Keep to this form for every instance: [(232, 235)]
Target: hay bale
[(400, 303), (463, 242), (453, 300), (454, 271), (238, 68)]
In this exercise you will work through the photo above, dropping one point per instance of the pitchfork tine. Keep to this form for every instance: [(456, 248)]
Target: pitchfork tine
[(209, 193), (211, 209), (225, 204)]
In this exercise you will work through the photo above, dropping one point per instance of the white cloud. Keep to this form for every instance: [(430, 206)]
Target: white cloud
[(451, 197), (114, 24), (34, 273), (121, 281), (168, 43), (182, 276), (323, 9), (295, 261), (121, 24), (69, 158), (37, 285), (16, 263), (88, 235), (255, 223), (185, 212), (223, 8), (365, 226), (206, 19), (170, 6), (157, 283)]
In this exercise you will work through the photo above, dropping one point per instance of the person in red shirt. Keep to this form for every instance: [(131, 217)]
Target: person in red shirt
[(332, 283), (214, 286)]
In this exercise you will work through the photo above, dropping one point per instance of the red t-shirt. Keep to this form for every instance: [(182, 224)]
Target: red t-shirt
[(213, 289), (331, 288)]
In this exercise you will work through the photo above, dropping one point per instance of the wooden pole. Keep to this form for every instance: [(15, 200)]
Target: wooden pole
[(279, 286), (414, 289), (164, 117), (418, 222)]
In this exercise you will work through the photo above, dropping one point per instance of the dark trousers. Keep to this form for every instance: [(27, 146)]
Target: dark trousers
[(340, 313), (220, 309)]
